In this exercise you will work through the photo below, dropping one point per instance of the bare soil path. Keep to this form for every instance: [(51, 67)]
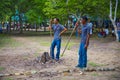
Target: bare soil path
[(101, 53)]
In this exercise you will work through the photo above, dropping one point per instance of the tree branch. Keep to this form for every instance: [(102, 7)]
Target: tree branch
[(115, 10), (113, 21), (67, 2), (110, 15), (75, 15)]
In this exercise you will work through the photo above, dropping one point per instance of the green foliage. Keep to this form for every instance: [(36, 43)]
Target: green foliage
[(41, 10), (55, 8)]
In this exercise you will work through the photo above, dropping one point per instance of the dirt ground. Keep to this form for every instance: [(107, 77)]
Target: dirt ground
[(102, 53)]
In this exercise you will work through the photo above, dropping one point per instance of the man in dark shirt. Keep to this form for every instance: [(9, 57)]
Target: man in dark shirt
[(85, 35)]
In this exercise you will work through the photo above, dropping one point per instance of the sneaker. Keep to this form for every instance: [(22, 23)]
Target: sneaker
[(82, 70), (57, 60), (77, 66)]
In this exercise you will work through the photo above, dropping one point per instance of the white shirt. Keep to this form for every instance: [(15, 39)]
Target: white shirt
[(90, 25)]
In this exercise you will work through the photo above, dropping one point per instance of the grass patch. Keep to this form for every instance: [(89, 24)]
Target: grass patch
[(95, 74), (115, 76), (45, 44), (69, 45), (63, 44), (44, 41), (39, 33), (6, 40), (36, 54), (94, 64), (2, 68), (8, 79)]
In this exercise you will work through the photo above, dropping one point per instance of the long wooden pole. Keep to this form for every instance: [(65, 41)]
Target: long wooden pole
[(68, 41)]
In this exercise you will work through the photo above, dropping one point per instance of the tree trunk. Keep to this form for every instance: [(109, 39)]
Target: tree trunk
[(113, 20), (25, 26), (14, 26), (21, 25), (35, 27), (100, 22), (10, 24), (44, 28)]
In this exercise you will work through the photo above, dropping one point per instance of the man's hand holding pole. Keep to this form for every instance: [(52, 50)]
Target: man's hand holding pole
[(50, 25), (50, 28)]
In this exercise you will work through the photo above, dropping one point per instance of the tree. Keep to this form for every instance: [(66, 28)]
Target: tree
[(64, 8), (55, 8), (42, 10), (113, 20)]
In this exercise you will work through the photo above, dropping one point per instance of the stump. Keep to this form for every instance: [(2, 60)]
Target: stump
[(45, 57)]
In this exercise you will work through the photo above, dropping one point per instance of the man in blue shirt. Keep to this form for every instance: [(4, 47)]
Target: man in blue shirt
[(118, 29), (85, 35), (58, 31), (1, 28)]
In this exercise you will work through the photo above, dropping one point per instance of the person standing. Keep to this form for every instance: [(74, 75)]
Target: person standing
[(118, 29), (85, 36), (1, 30), (58, 31), (113, 31), (91, 26), (106, 27)]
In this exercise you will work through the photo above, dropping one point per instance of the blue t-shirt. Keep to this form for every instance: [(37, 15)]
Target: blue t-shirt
[(118, 26), (57, 30), (85, 32)]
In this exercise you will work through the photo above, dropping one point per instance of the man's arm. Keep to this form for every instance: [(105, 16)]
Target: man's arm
[(64, 30), (87, 41), (79, 31), (88, 38), (76, 26), (50, 26)]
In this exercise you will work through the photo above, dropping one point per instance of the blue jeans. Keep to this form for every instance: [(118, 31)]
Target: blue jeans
[(55, 42), (82, 61), (1, 30), (118, 34)]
